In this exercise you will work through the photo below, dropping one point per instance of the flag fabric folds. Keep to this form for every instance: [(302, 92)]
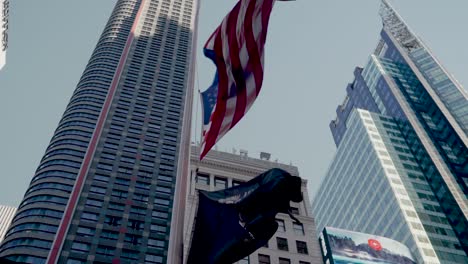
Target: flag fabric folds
[(231, 224), (236, 47)]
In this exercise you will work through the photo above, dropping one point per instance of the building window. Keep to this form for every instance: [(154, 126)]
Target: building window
[(245, 260), (129, 254), (155, 243), (263, 259), (119, 194), (80, 247), (133, 239), (160, 215), (116, 207), (161, 189), (135, 224), (281, 225), (113, 220), (89, 217), (111, 235), (97, 190), (298, 229), (75, 261), (284, 261), (149, 258), (220, 183), (294, 210), (282, 243), (85, 232), (105, 251), (102, 178), (158, 228), (302, 247), (203, 179), (161, 202), (139, 211), (94, 203), (122, 182)]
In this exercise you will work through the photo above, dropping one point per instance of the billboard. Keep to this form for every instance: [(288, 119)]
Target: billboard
[(347, 247)]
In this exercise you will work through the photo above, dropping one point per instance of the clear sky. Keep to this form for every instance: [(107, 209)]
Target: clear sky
[(311, 51)]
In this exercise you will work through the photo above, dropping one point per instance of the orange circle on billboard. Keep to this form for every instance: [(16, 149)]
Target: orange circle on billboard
[(374, 244)]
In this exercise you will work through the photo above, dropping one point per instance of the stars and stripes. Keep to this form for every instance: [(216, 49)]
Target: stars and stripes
[(236, 47)]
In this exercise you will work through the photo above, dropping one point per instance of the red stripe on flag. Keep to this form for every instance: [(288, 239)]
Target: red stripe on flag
[(266, 11), (219, 112), (255, 64), (237, 70)]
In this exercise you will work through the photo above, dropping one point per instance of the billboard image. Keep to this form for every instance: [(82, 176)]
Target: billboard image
[(348, 247)]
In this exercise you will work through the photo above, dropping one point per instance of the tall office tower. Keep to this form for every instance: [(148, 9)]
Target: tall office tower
[(6, 215), (375, 185), (292, 243), (110, 187), (406, 83), (4, 15)]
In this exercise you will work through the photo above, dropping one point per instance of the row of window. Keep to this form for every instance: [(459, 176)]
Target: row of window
[(134, 211), (297, 227), (219, 182), (282, 244), (265, 259)]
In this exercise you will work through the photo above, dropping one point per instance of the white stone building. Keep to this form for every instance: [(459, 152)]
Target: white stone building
[(292, 243)]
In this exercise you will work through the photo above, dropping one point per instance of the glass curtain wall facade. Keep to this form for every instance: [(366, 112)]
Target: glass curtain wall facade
[(375, 185), (405, 81), (109, 186)]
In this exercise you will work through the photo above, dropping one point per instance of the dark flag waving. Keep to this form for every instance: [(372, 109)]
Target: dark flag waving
[(232, 223), (236, 47)]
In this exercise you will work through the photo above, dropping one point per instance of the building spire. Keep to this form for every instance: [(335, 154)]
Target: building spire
[(394, 24)]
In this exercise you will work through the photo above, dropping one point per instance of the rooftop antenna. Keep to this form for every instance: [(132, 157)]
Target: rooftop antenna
[(265, 155), (244, 153), (394, 24)]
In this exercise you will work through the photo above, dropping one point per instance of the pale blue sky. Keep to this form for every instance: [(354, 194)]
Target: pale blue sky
[(312, 49)]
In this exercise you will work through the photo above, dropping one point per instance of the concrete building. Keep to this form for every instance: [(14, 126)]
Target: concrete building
[(292, 243), (6, 215), (110, 187), (401, 166)]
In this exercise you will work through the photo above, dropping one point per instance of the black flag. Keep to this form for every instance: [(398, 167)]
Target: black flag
[(232, 223)]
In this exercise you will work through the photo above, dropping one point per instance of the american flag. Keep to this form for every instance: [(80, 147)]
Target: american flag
[(236, 47)]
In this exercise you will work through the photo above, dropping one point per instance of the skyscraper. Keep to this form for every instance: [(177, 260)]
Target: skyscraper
[(405, 83), (292, 243), (4, 15), (110, 187), (375, 185), (6, 215)]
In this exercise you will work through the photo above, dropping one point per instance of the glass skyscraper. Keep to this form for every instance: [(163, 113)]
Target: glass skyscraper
[(422, 112), (109, 188)]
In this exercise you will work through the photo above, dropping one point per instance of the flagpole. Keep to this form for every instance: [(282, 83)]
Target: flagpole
[(201, 128), (175, 251)]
